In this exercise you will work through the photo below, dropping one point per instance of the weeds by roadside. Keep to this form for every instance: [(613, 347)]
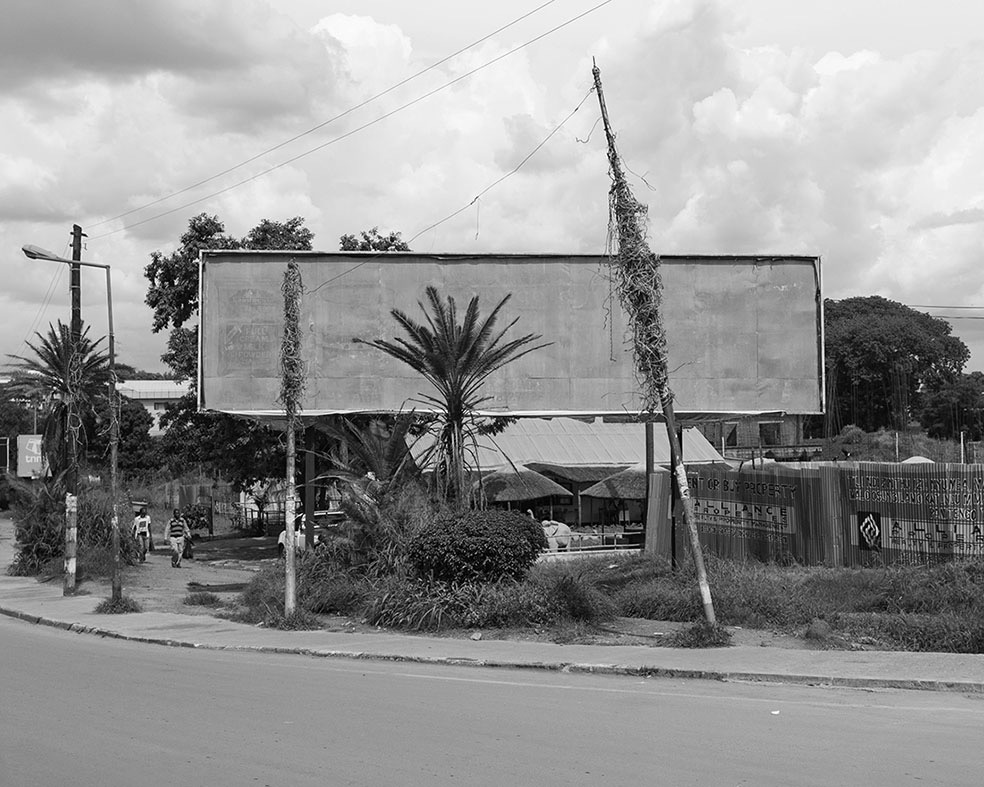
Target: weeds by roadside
[(937, 608), (124, 605), (202, 599)]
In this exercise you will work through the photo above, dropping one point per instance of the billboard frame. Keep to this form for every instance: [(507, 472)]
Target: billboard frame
[(359, 259)]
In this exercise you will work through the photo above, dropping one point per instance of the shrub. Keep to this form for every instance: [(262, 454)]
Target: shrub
[(298, 620), (571, 595), (323, 589), (39, 528), (198, 516), (123, 605), (659, 600), (701, 635), (476, 546), (938, 633), (202, 599), (507, 604), (414, 604)]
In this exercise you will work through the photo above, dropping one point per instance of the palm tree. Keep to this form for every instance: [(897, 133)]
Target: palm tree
[(456, 358), (69, 383)]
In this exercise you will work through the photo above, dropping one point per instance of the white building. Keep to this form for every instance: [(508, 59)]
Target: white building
[(155, 396)]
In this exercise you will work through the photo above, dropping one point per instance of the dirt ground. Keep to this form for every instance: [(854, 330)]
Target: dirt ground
[(224, 565)]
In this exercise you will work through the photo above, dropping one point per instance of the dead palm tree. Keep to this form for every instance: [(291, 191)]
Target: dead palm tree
[(69, 383), (456, 358)]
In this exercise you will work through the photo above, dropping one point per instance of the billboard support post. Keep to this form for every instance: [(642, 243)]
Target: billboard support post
[(638, 269), (71, 539), (291, 387)]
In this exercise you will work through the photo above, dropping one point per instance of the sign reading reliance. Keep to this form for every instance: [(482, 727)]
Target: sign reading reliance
[(744, 333)]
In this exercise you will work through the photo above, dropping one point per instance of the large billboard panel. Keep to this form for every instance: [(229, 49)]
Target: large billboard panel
[(744, 333)]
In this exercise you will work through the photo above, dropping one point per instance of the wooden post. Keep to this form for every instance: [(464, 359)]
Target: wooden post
[(642, 307), (290, 553), (310, 472), (291, 386), (71, 539)]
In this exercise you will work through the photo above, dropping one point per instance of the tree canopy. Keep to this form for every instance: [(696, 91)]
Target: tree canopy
[(372, 240), (880, 356), (69, 384), (239, 450), (955, 407)]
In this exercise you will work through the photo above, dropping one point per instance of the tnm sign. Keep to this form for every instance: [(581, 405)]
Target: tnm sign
[(30, 462)]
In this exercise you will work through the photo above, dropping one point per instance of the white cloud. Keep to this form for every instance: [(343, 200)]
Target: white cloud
[(870, 159)]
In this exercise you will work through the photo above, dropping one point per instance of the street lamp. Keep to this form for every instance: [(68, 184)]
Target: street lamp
[(37, 253)]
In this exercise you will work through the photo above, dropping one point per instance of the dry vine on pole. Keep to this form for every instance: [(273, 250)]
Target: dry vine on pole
[(291, 389), (635, 271)]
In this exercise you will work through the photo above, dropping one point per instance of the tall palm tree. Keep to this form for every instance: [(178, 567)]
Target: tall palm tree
[(456, 358), (69, 383)]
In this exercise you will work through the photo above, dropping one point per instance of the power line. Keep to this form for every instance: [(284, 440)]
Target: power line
[(475, 199), (321, 125), (924, 306), (45, 301), (364, 126)]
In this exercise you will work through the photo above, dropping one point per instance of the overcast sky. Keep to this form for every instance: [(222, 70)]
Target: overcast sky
[(850, 129)]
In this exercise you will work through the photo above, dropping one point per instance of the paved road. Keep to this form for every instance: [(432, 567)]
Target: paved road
[(86, 711)]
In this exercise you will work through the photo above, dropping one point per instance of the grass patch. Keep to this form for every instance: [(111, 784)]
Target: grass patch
[(122, 606), (202, 599), (929, 608), (701, 635)]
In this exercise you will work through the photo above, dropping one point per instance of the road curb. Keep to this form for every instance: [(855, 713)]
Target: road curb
[(830, 681)]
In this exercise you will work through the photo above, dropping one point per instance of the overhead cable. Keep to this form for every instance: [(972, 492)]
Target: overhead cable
[(354, 131), (321, 125)]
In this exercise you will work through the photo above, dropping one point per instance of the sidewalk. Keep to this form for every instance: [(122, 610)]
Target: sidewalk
[(43, 603)]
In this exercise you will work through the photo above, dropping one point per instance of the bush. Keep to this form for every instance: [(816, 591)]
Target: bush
[(572, 597), (701, 635), (123, 605), (198, 516), (938, 633), (476, 546), (202, 599), (39, 528)]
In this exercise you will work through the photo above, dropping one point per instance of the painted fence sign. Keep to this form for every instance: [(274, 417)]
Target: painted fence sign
[(915, 513), (840, 514)]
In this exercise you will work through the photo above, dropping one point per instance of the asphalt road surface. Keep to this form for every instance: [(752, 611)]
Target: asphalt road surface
[(79, 710)]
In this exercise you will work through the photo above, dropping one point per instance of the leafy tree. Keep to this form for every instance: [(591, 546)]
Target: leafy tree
[(69, 390), (15, 419), (955, 407), (373, 241), (239, 450), (137, 451), (455, 358), (880, 354), (125, 371)]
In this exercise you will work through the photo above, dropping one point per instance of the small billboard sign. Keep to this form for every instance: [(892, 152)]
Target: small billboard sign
[(30, 460)]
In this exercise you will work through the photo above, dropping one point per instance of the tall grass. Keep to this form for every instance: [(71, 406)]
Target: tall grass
[(936, 608)]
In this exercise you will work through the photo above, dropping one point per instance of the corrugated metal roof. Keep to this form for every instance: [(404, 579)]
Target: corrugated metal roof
[(582, 474), (154, 389), (571, 443)]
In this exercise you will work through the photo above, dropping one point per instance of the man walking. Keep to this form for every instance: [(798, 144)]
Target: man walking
[(141, 532), (176, 533)]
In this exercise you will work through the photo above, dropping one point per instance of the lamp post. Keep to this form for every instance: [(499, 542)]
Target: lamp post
[(36, 253)]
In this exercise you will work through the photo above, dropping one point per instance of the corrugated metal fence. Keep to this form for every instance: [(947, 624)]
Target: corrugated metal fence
[(840, 514)]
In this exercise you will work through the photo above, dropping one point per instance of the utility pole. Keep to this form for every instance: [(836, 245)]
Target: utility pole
[(636, 271), (72, 482)]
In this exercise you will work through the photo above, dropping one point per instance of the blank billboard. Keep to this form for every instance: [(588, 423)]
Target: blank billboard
[(744, 333)]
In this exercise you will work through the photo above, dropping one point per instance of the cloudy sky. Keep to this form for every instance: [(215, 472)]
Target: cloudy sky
[(851, 129)]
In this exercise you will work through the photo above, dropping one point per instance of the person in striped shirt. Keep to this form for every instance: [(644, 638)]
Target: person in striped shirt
[(176, 532)]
